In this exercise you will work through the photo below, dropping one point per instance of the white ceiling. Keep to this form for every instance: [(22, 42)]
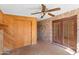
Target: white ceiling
[(27, 9)]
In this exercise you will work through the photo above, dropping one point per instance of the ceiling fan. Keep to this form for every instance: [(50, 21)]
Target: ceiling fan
[(44, 10)]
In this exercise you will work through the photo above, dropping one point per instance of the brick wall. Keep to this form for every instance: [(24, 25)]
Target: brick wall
[(44, 30)]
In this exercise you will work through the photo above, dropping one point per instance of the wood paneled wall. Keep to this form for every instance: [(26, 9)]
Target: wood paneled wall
[(20, 31), (44, 31)]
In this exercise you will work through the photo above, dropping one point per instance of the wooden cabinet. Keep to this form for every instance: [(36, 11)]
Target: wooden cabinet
[(65, 32), (21, 31)]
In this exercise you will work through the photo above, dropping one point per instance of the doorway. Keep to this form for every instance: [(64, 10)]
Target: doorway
[(65, 32)]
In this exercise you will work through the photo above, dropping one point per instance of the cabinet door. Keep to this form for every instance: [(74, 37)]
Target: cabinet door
[(27, 33), (57, 32), (9, 32), (23, 33), (19, 33)]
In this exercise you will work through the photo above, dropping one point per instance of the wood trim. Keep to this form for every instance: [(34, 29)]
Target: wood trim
[(21, 17), (63, 19), (34, 31)]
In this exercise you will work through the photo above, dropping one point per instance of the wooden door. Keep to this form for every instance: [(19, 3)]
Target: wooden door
[(19, 40), (57, 32), (65, 32), (70, 32), (27, 33), (72, 35), (23, 33), (9, 32)]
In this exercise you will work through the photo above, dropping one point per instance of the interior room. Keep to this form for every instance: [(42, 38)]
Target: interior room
[(39, 29)]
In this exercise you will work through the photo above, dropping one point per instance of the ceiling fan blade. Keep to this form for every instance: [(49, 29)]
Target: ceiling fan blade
[(55, 9), (43, 5), (51, 14), (43, 8), (36, 13)]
